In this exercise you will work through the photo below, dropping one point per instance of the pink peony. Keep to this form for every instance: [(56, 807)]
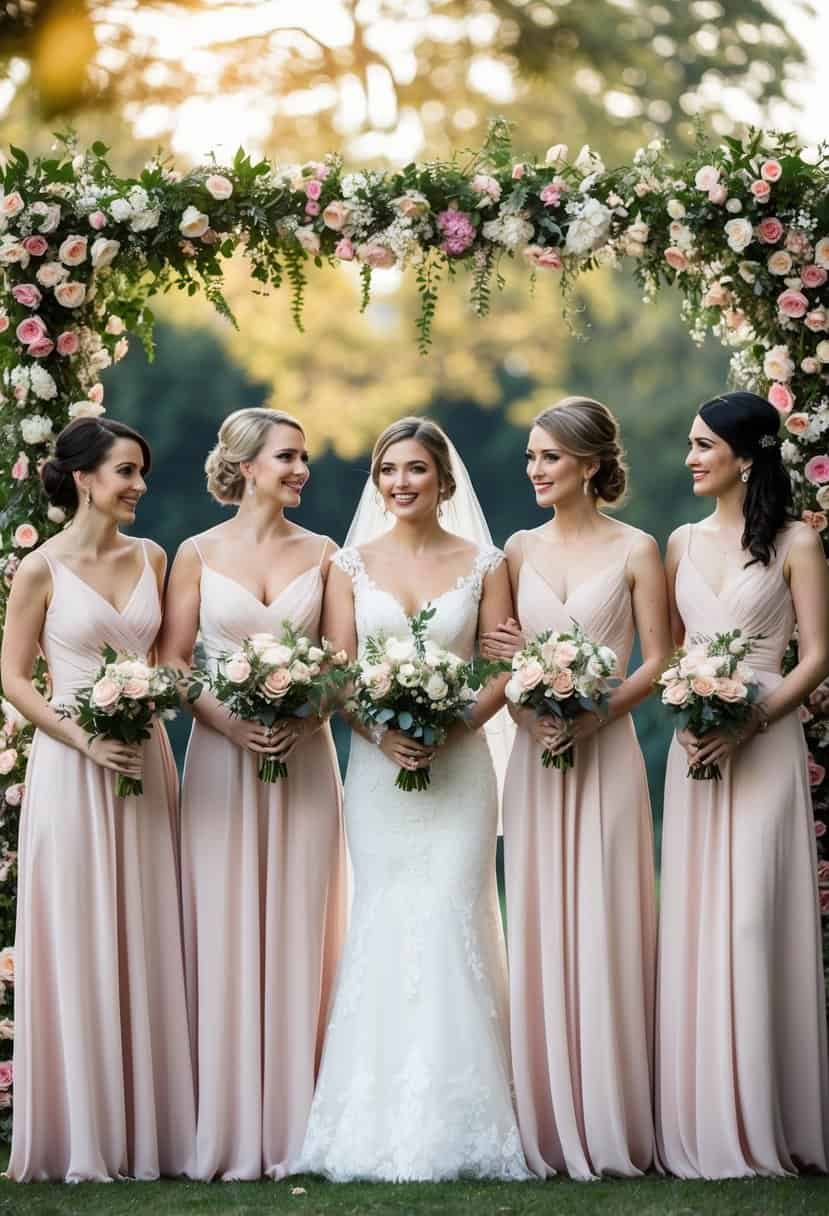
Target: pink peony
[(676, 259), (377, 255), (277, 683), (237, 669), (458, 231), (335, 215), (36, 246), (97, 220), (68, 342), (796, 423), (31, 330), (20, 468), (344, 250), (813, 276), (42, 348), (105, 693), (8, 759), (817, 470), (815, 519), (781, 397), (770, 230), (816, 772), (27, 294), (761, 191), (792, 303), (771, 170)]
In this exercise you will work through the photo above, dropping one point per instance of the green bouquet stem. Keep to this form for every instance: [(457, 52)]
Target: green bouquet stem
[(272, 769), (417, 779), (562, 761), (128, 787)]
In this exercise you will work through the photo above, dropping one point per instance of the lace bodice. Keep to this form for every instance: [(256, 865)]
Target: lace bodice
[(455, 623)]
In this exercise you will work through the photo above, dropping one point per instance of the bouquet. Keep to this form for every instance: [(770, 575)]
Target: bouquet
[(412, 685), (709, 687), (562, 674), (271, 678), (125, 696)]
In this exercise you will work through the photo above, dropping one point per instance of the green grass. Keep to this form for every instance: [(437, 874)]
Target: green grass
[(646, 1197)]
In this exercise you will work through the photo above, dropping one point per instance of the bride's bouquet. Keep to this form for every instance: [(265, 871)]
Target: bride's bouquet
[(709, 687), (413, 685), (125, 696), (270, 678), (561, 674)]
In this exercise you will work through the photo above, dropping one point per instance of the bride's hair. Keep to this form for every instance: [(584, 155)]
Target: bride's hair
[(749, 425), (433, 439), (587, 429), (241, 438)]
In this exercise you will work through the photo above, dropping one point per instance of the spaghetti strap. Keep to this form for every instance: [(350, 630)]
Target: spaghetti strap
[(195, 545), (322, 555), (690, 528)]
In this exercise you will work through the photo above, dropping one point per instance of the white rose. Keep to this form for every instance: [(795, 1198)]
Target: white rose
[(300, 672), (513, 690), (608, 657), (308, 239), (748, 271), (104, 251), (194, 223), (139, 200), (557, 155), (734, 206), (114, 325), (407, 675), (589, 228), (35, 428), (588, 162), (739, 233), (436, 687), (822, 351), (777, 364), (120, 210), (400, 650), (681, 235), (278, 655), (51, 273), (143, 220), (11, 252), (85, 409), (315, 655), (638, 231), (675, 209), (50, 213)]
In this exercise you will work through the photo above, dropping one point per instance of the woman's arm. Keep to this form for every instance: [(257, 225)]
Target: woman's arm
[(675, 548), (808, 578), (496, 607), (651, 615)]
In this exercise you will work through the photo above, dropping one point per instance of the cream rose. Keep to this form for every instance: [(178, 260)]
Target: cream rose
[(70, 294), (562, 685), (704, 686), (777, 364), (136, 689), (779, 262), (51, 273), (73, 250), (676, 694), (740, 233), (335, 216), (218, 186), (105, 693), (26, 536), (436, 688), (7, 965), (237, 669), (276, 684), (193, 222)]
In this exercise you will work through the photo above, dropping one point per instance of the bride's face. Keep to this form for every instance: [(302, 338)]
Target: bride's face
[(280, 470), (408, 481), (557, 476)]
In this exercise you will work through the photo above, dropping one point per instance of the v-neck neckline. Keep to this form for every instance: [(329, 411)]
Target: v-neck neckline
[(460, 582), (118, 611), (585, 582), (252, 594)]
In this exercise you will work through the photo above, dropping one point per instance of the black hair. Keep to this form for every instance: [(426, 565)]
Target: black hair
[(82, 446), (749, 424)]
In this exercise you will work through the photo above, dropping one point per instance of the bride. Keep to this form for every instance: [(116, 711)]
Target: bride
[(415, 1077)]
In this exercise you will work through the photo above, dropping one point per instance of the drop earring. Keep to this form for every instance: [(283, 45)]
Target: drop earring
[(251, 488), (744, 476), (586, 486), (89, 497)]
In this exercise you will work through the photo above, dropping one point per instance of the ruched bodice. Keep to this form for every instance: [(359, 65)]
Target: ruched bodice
[(79, 622), (755, 599)]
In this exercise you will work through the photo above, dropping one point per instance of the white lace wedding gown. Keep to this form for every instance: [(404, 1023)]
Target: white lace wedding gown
[(415, 1075)]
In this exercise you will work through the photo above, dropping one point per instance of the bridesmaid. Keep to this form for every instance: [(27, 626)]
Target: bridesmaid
[(103, 1083), (742, 1083), (262, 864), (578, 844)]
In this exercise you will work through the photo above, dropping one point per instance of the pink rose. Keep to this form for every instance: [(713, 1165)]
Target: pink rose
[(820, 828), (796, 423), (51, 273), (816, 772), (237, 669), (11, 205), (822, 252), (68, 342), (707, 177), (815, 519), (313, 189), (36, 246), (4, 322), (817, 320), (70, 294), (530, 675), (770, 230), (7, 965), (218, 186), (781, 397), (717, 296), (27, 294), (96, 393), (335, 215), (676, 694), (817, 470), (717, 194), (311, 208), (704, 686), (20, 468), (376, 255), (344, 250), (136, 689), (6, 1074), (31, 330), (730, 690), (8, 759), (518, 172), (771, 170), (761, 191), (562, 685), (550, 195), (41, 349), (792, 303), (564, 653), (73, 250), (813, 276), (105, 693), (676, 259), (97, 220), (276, 684), (14, 794), (547, 259)]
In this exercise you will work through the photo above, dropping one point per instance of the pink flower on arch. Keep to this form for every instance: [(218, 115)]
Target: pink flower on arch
[(792, 303), (817, 470), (781, 397), (816, 771), (458, 231), (676, 259), (771, 170), (770, 230), (20, 468)]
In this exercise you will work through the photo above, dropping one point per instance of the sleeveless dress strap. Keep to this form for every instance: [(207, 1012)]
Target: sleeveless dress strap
[(322, 555), (195, 545)]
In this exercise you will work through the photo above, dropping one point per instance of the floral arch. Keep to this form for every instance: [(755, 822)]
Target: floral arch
[(741, 227)]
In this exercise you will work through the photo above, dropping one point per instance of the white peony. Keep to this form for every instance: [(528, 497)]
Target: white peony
[(739, 233), (35, 428), (675, 209), (407, 675), (85, 409), (120, 210), (588, 162), (589, 228), (43, 385), (143, 220), (510, 230)]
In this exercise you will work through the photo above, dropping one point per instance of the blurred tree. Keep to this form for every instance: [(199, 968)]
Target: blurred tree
[(344, 68)]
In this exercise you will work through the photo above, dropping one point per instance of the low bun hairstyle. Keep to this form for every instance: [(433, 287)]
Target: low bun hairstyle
[(241, 438), (433, 439), (587, 429), (81, 447), (749, 425)]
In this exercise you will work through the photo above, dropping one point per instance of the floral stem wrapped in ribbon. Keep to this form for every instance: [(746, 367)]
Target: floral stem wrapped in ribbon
[(708, 687), (413, 685), (271, 678), (562, 674), (121, 703)]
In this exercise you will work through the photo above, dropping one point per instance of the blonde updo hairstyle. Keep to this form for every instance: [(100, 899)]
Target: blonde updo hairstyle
[(241, 438), (433, 439), (585, 428)]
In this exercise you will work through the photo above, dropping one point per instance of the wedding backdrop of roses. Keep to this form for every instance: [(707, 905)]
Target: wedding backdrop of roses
[(741, 228)]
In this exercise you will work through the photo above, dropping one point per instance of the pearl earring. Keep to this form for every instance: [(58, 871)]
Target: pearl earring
[(744, 476), (89, 498)]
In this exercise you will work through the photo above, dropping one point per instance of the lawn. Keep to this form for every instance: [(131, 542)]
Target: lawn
[(647, 1197)]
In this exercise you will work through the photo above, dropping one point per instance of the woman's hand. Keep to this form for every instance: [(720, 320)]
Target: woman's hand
[(717, 745), (278, 740), (549, 732), (502, 642), (405, 752), (819, 700), (124, 758), (584, 725)]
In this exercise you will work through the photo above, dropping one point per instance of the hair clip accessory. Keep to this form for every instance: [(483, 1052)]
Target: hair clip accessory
[(768, 441)]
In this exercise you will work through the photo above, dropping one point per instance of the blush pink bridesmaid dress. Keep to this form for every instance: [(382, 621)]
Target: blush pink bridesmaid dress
[(263, 885), (581, 917), (742, 1082), (103, 1083)]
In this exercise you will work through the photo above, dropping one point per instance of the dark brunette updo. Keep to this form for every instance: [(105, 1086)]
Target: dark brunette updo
[(81, 447), (587, 429), (749, 425)]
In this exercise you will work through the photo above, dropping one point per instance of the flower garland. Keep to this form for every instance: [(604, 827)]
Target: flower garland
[(742, 228)]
